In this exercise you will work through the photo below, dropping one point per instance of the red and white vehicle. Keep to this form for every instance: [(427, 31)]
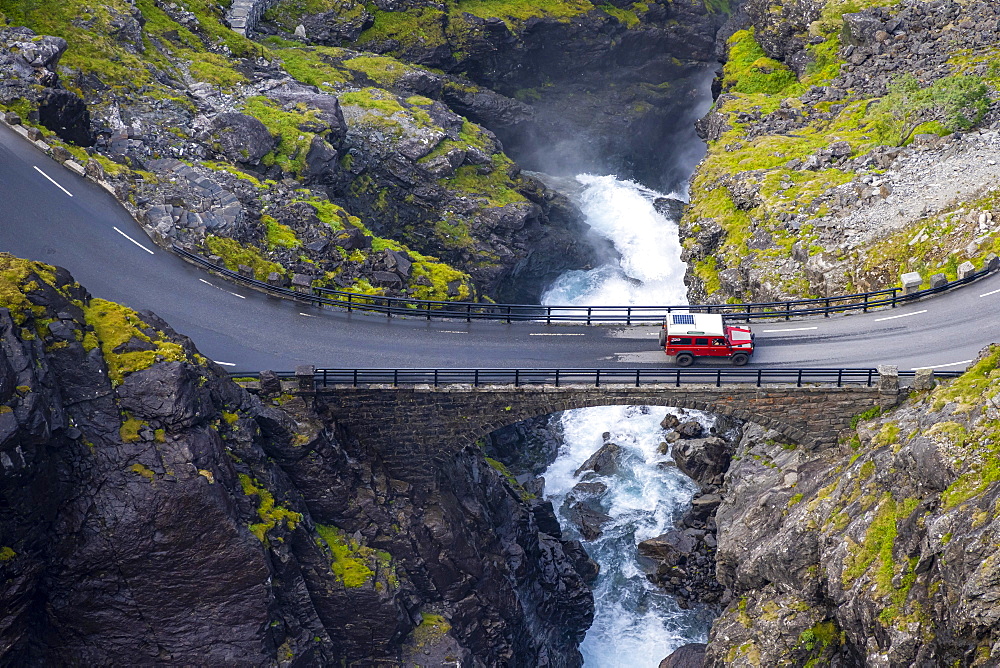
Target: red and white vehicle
[(685, 336)]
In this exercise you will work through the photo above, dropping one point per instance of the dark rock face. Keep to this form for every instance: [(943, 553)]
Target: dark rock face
[(171, 517), (704, 459), (242, 138), (686, 656), (31, 63), (854, 540)]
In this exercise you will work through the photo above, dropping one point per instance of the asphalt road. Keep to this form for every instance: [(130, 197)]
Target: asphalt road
[(51, 214)]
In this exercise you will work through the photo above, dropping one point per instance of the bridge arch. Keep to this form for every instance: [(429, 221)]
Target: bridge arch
[(414, 427)]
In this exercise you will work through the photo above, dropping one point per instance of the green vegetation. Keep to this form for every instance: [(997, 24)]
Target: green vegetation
[(495, 188), (432, 629), (383, 70), (750, 71), (129, 431), (817, 640), (7, 553), (233, 255), (146, 473), (115, 325), (278, 235), (18, 278), (960, 101), (287, 123), (354, 564), (511, 480), (270, 515)]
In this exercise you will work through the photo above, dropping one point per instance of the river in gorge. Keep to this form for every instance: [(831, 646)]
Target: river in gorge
[(635, 624)]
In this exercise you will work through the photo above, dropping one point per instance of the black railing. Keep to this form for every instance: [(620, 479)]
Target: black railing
[(597, 377), (590, 315)]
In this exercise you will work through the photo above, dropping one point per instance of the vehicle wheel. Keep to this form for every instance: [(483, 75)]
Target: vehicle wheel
[(740, 359), (684, 359), (663, 337)]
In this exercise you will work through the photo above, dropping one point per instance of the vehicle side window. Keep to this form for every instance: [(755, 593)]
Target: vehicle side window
[(701, 342), (718, 342), (681, 341)]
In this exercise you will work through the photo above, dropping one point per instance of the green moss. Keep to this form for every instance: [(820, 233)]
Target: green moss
[(278, 235), (626, 17), (18, 278), (233, 255), (355, 564), (230, 418), (382, 70), (271, 515), (495, 189), (516, 12), (750, 71), (511, 480), (7, 553), (115, 325), (867, 469), (431, 630), (288, 123), (817, 640), (216, 70), (315, 66), (795, 499), (864, 416), (129, 431), (423, 26), (146, 473), (707, 271)]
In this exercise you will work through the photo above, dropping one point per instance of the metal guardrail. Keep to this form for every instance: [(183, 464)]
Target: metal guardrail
[(595, 377), (590, 315)]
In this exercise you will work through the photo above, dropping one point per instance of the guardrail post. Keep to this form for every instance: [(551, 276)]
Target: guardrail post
[(395, 377), (760, 376), (678, 377), (840, 377), (923, 379), (355, 378), (637, 371), (517, 378), (911, 282), (305, 375), (475, 379), (628, 319), (826, 310), (888, 385), (557, 377), (508, 315), (798, 381), (548, 315), (788, 310), (597, 378), (468, 312), (865, 309), (589, 309), (718, 378), (435, 377)]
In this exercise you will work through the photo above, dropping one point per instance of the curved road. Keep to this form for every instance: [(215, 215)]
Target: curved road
[(51, 214)]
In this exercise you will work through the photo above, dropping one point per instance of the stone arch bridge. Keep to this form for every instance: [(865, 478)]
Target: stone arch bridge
[(413, 427)]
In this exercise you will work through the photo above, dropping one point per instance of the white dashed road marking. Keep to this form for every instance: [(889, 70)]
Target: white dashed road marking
[(452, 331), (224, 363), (53, 181), (942, 366), (546, 334), (133, 240), (793, 329), (990, 293), (902, 315), (223, 289)]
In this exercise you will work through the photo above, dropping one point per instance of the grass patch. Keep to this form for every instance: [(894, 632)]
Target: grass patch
[(233, 255), (270, 515), (115, 325)]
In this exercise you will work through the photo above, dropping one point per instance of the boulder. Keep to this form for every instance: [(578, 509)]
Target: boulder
[(590, 522), (241, 138), (705, 459), (669, 421), (689, 429), (686, 656), (672, 547), (604, 461)]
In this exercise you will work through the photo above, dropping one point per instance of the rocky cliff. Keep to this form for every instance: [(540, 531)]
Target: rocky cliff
[(156, 512), (850, 142), (878, 552)]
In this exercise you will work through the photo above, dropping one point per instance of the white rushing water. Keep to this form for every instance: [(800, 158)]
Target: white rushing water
[(650, 271), (635, 625)]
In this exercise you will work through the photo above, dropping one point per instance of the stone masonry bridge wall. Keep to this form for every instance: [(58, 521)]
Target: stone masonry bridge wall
[(414, 427)]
